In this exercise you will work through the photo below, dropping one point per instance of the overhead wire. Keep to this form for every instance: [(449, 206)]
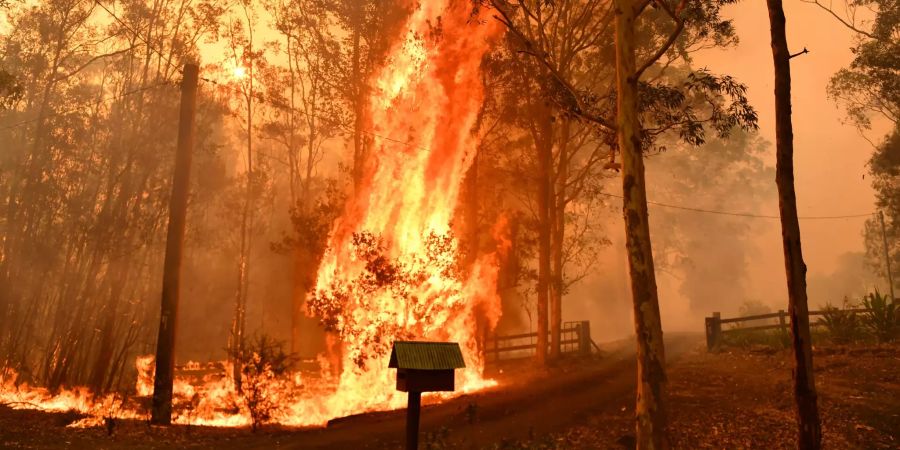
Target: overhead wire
[(742, 214)]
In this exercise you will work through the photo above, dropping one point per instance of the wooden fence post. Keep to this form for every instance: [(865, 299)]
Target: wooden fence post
[(584, 337), (713, 331), (781, 321)]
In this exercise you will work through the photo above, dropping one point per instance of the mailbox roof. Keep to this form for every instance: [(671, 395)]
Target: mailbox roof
[(422, 355)]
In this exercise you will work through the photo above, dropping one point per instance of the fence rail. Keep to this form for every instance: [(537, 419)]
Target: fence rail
[(714, 331), (575, 338)]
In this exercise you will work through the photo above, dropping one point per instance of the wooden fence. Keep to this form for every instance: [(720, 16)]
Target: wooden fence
[(714, 329), (575, 338)]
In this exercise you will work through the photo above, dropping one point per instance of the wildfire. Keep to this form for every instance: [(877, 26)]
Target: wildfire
[(392, 269), (392, 266)]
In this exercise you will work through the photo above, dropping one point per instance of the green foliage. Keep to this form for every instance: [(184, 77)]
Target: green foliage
[(843, 326), (883, 319), (869, 85)]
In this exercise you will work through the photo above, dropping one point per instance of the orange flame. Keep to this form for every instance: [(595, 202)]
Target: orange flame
[(427, 96)]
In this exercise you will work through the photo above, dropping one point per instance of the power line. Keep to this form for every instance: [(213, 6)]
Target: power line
[(102, 100), (741, 214)]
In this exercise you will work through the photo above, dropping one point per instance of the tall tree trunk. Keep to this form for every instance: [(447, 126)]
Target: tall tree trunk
[(358, 123), (651, 362), (809, 433), (240, 307), (557, 239), (544, 149), (109, 313)]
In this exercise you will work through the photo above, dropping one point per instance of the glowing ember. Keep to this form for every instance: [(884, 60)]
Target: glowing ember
[(392, 269)]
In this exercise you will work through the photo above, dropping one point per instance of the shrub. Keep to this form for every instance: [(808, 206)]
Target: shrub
[(742, 338), (882, 319), (268, 362), (843, 326)]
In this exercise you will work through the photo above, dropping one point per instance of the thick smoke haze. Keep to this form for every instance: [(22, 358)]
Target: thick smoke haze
[(830, 176)]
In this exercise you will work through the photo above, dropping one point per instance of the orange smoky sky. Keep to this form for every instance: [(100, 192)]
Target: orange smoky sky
[(830, 155), (830, 177)]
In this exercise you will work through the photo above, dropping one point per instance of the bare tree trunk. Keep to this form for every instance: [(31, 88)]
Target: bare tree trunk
[(240, 306), (544, 148), (809, 433), (110, 311), (358, 123), (557, 238), (651, 362)]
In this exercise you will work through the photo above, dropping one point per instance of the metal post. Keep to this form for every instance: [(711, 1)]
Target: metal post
[(887, 256), (161, 411), (412, 420)]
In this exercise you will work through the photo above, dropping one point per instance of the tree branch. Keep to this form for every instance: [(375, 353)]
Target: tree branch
[(849, 25), (804, 51), (580, 111), (679, 27), (89, 62)]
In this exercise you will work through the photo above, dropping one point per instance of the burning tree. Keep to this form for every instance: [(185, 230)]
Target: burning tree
[(391, 267), (416, 287)]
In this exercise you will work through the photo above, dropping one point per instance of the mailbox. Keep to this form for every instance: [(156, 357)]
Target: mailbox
[(423, 367)]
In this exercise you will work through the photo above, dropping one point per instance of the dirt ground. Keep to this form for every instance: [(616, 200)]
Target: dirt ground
[(737, 399)]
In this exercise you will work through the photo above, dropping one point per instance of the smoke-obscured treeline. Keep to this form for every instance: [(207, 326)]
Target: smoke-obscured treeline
[(87, 135)]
